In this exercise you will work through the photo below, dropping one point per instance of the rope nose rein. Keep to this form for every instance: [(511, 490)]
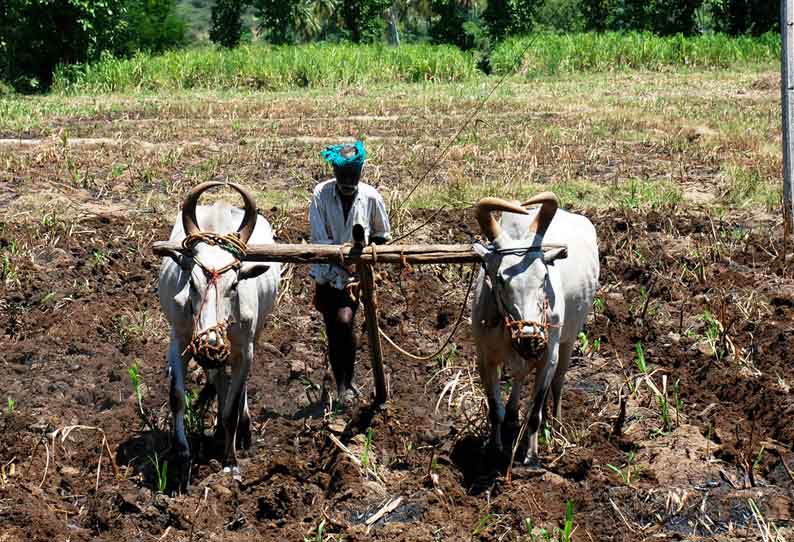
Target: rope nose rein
[(211, 354), (535, 341), (527, 343)]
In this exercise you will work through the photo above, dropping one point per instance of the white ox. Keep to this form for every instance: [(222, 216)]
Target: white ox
[(216, 306), (529, 306)]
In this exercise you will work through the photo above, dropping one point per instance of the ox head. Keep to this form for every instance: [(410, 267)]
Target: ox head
[(518, 274), (216, 273)]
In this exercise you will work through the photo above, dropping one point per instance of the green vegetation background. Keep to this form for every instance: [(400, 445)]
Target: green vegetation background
[(109, 45)]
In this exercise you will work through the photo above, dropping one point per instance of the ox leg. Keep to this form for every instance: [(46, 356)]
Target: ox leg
[(543, 378), (559, 380), (513, 402), (244, 423), (221, 383), (489, 376), (181, 447), (232, 408)]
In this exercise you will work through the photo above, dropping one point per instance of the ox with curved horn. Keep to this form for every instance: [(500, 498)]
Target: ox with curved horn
[(530, 304), (217, 305), (190, 223)]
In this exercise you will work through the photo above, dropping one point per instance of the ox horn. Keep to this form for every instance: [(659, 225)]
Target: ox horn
[(484, 214), (190, 223), (549, 204)]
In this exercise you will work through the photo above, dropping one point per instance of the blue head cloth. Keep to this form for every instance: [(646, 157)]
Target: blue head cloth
[(350, 165)]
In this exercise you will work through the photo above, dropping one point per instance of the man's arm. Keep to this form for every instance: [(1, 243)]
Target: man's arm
[(380, 231)]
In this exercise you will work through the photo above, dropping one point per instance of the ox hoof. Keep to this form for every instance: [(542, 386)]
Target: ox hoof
[(532, 464), (493, 445), (234, 472)]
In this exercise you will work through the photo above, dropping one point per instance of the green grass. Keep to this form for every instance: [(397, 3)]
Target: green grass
[(546, 54), (744, 187), (269, 68), (323, 65)]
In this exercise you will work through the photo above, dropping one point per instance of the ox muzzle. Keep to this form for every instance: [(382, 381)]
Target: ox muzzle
[(527, 337), (211, 348)]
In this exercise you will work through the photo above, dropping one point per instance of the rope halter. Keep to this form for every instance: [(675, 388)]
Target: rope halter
[(529, 338), (207, 354)]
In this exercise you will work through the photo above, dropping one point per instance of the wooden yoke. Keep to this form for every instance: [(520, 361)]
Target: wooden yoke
[(370, 302), (364, 257)]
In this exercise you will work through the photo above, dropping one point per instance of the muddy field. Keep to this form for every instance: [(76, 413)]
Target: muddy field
[(696, 444)]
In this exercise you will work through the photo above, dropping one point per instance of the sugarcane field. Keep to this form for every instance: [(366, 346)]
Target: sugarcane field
[(539, 306)]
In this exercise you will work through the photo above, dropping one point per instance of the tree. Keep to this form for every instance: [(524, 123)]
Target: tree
[(747, 16), (291, 21), (596, 14), (456, 22), (506, 17), (364, 19), (36, 36), (226, 24), (662, 17), (153, 26)]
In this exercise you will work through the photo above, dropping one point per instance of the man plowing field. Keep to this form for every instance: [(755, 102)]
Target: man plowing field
[(337, 206)]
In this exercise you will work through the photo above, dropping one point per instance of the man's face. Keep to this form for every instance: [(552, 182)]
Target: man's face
[(347, 183)]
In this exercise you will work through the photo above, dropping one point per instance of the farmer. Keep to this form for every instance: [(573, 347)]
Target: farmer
[(337, 206)]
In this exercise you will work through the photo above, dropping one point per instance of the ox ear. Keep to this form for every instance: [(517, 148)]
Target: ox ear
[(253, 270), (180, 259), (559, 253), (485, 253), (183, 296)]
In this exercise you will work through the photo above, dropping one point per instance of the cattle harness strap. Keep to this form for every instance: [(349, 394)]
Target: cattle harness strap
[(208, 355)]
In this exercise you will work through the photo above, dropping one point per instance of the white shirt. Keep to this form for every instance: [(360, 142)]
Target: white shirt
[(329, 226)]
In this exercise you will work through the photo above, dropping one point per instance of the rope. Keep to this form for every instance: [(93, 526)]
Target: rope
[(206, 354), (229, 242), (452, 334), (438, 159)]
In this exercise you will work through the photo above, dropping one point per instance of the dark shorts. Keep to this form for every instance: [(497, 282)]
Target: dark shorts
[(328, 299)]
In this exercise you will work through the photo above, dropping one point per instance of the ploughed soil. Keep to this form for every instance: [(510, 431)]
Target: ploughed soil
[(696, 446)]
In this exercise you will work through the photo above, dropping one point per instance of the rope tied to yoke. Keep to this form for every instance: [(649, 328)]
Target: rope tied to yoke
[(449, 338), (230, 242)]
